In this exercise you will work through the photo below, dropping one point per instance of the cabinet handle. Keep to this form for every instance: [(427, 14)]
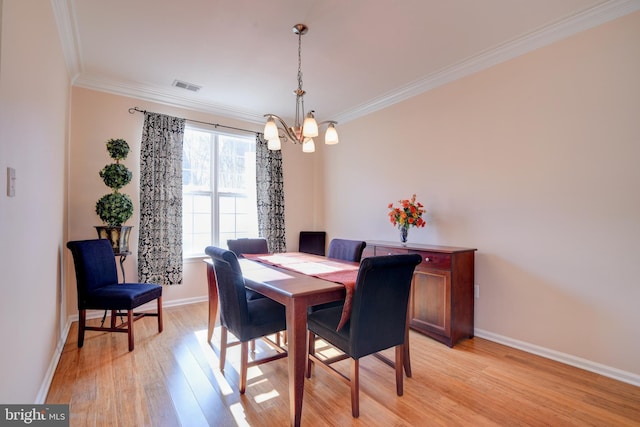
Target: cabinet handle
[(427, 259)]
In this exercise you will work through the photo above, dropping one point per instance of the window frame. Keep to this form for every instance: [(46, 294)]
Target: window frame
[(214, 191)]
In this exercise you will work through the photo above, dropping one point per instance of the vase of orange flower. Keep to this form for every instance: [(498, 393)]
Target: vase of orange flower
[(408, 214)]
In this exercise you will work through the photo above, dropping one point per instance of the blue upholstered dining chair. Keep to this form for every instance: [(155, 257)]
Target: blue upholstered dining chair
[(246, 319), (249, 246), (378, 319), (312, 242), (346, 250), (98, 289)]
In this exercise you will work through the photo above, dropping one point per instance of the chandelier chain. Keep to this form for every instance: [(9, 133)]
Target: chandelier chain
[(299, 91), (300, 62), (305, 127)]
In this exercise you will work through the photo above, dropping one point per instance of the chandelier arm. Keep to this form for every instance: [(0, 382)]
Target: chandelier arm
[(287, 132), (327, 122)]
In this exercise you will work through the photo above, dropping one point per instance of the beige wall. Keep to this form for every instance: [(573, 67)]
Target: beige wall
[(34, 92), (534, 162), (97, 117)]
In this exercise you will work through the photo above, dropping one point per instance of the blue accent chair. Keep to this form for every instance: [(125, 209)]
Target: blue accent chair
[(98, 289)]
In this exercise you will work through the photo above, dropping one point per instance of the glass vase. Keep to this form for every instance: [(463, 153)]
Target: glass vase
[(404, 233)]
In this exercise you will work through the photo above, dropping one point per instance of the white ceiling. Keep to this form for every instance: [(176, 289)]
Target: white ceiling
[(358, 56)]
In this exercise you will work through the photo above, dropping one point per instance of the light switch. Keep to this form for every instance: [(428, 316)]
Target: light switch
[(11, 182)]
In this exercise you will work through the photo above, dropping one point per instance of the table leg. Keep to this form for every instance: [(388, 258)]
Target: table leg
[(213, 300), (297, 347)]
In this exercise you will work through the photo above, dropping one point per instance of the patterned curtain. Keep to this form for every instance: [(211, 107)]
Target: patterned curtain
[(270, 189), (160, 243)]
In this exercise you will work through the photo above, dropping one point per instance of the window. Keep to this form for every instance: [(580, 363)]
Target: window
[(218, 189)]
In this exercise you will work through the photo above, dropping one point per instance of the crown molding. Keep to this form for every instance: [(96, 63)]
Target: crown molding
[(159, 95), (67, 30), (590, 18)]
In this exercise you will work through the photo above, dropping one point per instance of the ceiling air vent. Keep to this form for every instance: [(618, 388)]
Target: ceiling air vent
[(187, 86)]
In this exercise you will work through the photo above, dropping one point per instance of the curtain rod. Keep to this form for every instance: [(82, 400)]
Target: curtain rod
[(215, 125)]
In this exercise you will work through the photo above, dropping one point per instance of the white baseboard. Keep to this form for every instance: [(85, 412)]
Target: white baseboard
[(41, 397), (568, 359)]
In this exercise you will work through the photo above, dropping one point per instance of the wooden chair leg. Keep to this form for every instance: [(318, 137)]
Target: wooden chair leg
[(130, 328), (82, 322), (399, 364), (407, 357), (311, 351), (160, 326), (223, 346), (252, 346), (244, 361), (355, 387), (114, 314)]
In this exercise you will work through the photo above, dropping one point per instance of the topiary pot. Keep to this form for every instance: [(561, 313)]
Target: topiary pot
[(117, 235)]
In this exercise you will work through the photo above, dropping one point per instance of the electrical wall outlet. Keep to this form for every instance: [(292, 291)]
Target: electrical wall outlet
[(476, 291)]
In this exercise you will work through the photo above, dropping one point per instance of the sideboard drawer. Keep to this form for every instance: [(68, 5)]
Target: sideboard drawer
[(432, 260), (382, 250)]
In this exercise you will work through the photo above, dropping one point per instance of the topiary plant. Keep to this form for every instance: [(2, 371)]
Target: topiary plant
[(115, 208)]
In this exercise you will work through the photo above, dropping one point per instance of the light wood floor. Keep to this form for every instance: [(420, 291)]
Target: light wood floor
[(172, 379)]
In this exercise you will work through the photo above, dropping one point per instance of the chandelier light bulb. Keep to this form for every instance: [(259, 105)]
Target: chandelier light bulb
[(270, 129), (273, 144), (308, 146), (331, 136), (310, 127)]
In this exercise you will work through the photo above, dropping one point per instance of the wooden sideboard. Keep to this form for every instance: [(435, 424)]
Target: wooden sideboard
[(441, 305)]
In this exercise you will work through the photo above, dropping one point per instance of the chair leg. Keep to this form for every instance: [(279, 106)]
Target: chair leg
[(311, 351), (130, 328), (399, 364), (355, 387), (223, 346), (252, 346), (160, 327), (82, 321), (113, 318), (407, 356), (244, 361)]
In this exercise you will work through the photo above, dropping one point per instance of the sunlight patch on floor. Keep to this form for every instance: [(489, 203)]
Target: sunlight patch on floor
[(214, 363), (238, 414), (263, 397)]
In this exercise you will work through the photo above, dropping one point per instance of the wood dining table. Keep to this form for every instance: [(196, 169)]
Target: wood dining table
[(297, 291)]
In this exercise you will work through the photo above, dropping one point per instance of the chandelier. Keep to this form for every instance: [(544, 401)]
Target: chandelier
[(302, 131)]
